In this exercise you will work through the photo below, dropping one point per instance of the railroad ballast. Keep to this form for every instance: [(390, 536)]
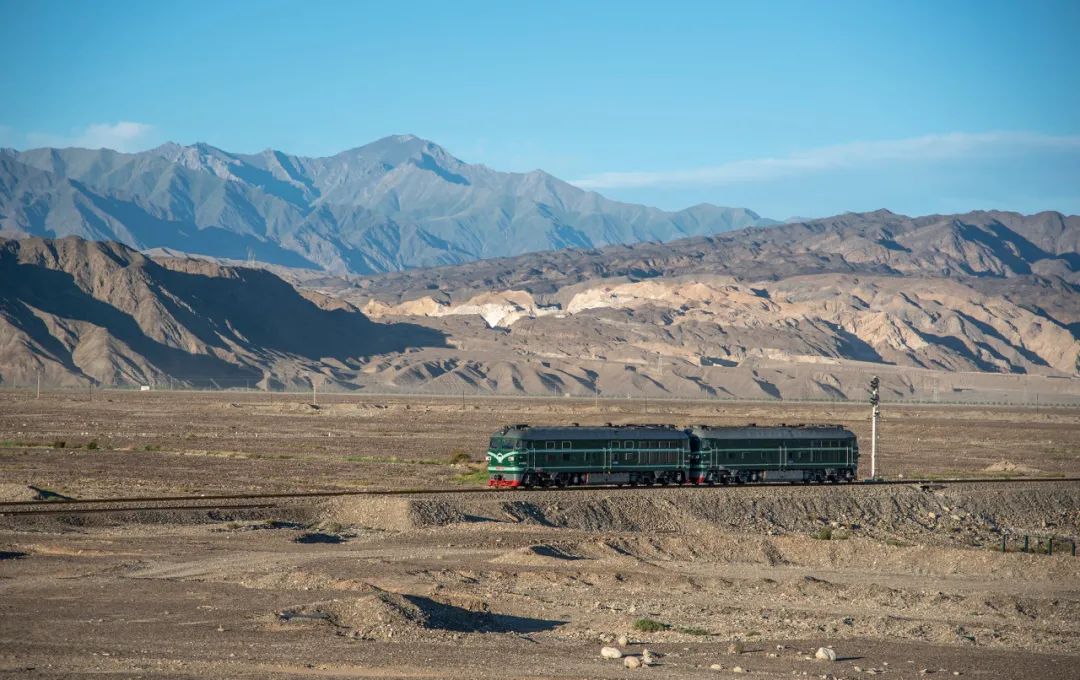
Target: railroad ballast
[(527, 456)]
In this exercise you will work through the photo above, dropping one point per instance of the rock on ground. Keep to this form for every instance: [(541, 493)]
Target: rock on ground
[(825, 654)]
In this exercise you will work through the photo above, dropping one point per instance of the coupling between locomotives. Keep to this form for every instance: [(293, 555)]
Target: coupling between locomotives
[(524, 456)]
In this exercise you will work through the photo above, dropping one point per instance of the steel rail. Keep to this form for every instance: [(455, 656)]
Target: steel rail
[(148, 508), (485, 490)]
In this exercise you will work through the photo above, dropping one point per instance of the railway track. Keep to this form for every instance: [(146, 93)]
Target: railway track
[(211, 502), (147, 508)]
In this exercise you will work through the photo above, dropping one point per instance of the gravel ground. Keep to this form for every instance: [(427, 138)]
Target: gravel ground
[(184, 442), (901, 581)]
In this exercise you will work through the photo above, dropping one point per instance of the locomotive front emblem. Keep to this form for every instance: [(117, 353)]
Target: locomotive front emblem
[(499, 457)]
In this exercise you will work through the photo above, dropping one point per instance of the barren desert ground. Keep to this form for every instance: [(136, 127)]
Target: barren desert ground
[(901, 581)]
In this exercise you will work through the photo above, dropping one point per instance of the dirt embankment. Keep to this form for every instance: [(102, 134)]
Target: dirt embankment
[(958, 514)]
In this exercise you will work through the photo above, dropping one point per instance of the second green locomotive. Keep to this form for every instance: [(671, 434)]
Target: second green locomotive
[(525, 456)]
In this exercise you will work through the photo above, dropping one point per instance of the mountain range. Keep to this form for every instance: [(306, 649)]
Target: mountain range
[(400, 202), (396, 266), (74, 312), (976, 306), (993, 292)]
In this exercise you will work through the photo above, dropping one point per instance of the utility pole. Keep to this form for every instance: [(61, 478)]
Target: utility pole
[(39, 385), (874, 413)]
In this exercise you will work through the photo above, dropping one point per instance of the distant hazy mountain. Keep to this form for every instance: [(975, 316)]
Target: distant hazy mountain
[(396, 203)]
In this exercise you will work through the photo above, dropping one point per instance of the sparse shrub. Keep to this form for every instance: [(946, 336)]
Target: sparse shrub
[(650, 626), (152, 447), (457, 457), (830, 534), (92, 446), (692, 630), (331, 528), (59, 444), (477, 476)]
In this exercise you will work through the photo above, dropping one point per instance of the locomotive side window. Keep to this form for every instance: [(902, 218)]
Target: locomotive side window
[(566, 445), (549, 445)]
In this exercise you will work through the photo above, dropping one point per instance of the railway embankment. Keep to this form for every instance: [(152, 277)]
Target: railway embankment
[(956, 514)]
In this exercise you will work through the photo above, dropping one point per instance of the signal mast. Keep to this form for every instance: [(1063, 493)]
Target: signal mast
[(875, 411)]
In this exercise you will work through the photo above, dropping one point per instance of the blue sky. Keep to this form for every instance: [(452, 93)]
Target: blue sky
[(788, 108)]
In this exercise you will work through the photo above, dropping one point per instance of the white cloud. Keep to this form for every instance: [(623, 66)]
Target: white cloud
[(120, 136), (956, 145)]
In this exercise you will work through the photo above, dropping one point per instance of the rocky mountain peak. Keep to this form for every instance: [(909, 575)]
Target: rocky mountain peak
[(401, 201)]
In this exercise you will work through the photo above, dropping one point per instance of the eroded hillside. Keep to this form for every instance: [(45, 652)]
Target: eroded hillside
[(799, 310)]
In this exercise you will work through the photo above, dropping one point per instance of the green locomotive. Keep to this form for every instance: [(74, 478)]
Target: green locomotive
[(525, 456), (801, 453)]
